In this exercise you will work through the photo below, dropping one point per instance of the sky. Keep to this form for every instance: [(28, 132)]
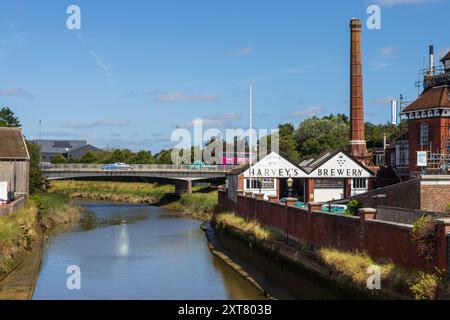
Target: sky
[(138, 69)]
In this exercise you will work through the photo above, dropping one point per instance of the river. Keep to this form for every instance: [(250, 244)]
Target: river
[(126, 251)]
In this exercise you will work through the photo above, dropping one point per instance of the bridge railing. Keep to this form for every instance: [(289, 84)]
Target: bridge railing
[(137, 167)]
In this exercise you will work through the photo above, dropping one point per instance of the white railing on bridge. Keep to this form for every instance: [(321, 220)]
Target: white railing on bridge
[(137, 167)]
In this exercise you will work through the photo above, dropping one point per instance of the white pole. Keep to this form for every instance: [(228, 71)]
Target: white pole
[(251, 139)]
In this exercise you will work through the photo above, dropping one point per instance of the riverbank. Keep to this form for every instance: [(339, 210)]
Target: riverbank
[(21, 240), (346, 272), (200, 204)]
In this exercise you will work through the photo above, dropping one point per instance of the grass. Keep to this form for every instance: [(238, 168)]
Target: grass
[(19, 229), (253, 227), (56, 209), (354, 265), (199, 204), (112, 191)]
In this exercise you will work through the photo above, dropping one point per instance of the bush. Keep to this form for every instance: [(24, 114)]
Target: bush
[(423, 235), (353, 207), (426, 286), (199, 203)]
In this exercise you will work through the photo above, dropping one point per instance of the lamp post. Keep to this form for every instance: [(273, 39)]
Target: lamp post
[(290, 183)]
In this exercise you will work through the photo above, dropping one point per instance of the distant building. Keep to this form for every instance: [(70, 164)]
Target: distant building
[(429, 121), (71, 149), (14, 163)]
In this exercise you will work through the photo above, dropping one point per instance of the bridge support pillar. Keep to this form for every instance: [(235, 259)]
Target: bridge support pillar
[(183, 186)]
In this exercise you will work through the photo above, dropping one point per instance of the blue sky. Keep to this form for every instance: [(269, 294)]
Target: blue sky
[(137, 69)]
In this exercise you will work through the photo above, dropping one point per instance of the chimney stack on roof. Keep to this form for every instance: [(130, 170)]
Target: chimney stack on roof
[(357, 144)]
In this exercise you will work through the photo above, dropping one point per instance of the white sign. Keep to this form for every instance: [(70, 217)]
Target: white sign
[(422, 159), (275, 166), (3, 190), (340, 166)]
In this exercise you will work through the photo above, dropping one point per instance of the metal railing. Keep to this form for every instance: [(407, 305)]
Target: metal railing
[(138, 167)]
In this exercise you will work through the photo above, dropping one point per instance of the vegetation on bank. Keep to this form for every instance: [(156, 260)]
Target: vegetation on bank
[(251, 226), (353, 266), (200, 204), (19, 229), (131, 192)]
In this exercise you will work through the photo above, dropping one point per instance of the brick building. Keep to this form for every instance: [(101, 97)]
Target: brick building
[(429, 121)]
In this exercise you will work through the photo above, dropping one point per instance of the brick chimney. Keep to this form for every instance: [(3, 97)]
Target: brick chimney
[(357, 144)]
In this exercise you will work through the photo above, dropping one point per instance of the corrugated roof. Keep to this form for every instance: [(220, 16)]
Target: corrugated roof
[(12, 144), (437, 97)]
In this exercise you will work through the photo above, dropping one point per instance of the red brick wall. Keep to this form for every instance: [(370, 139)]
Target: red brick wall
[(403, 195), (434, 197), (379, 238), (437, 130)]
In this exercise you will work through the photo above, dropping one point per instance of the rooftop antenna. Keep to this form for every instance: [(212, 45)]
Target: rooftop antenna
[(251, 133)]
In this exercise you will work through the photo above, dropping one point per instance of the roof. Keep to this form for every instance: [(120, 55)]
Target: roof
[(12, 144), (59, 146), (437, 97), (244, 166), (446, 57), (312, 164)]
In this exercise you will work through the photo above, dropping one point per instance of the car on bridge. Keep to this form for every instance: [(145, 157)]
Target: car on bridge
[(197, 165), (116, 166)]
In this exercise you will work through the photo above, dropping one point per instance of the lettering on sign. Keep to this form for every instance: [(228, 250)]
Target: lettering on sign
[(275, 172), (340, 172)]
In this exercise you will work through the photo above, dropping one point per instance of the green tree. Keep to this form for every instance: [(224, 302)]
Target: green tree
[(288, 145), (89, 157), (8, 119), (164, 157), (316, 135), (58, 159), (143, 157), (36, 178)]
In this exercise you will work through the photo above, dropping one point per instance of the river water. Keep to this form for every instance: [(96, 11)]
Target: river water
[(136, 252)]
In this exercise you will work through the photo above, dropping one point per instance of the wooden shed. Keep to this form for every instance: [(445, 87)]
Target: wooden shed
[(14, 162)]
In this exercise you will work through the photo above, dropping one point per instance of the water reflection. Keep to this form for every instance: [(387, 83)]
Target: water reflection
[(136, 252)]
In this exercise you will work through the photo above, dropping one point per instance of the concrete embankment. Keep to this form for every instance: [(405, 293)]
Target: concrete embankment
[(19, 283), (295, 270)]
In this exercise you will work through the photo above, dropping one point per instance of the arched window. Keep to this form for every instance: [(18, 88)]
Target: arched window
[(424, 134)]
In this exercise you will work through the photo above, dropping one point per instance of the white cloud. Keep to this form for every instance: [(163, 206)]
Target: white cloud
[(308, 112), (388, 51), (101, 123), (174, 97), (15, 92), (242, 52), (223, 120), (382, 101), (391, 3)]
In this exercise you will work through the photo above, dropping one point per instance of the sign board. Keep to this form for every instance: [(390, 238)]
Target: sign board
[(341, 166), (422, 159), (3, 190), (275, 166)]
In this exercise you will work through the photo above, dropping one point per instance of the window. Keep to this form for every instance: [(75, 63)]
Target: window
[(266, 183), (379, 161), (359, 183), (424, 138)]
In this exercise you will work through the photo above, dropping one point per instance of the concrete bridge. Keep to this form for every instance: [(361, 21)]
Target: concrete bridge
[(182, 175)]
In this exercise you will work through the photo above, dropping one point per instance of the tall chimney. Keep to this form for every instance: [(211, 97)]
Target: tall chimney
[(431, 61), (357, 144)]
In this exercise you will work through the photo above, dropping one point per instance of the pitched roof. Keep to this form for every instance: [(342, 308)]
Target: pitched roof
[(312, 164), (59, 146), (12, 144), (437, 97), (446, 57)]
